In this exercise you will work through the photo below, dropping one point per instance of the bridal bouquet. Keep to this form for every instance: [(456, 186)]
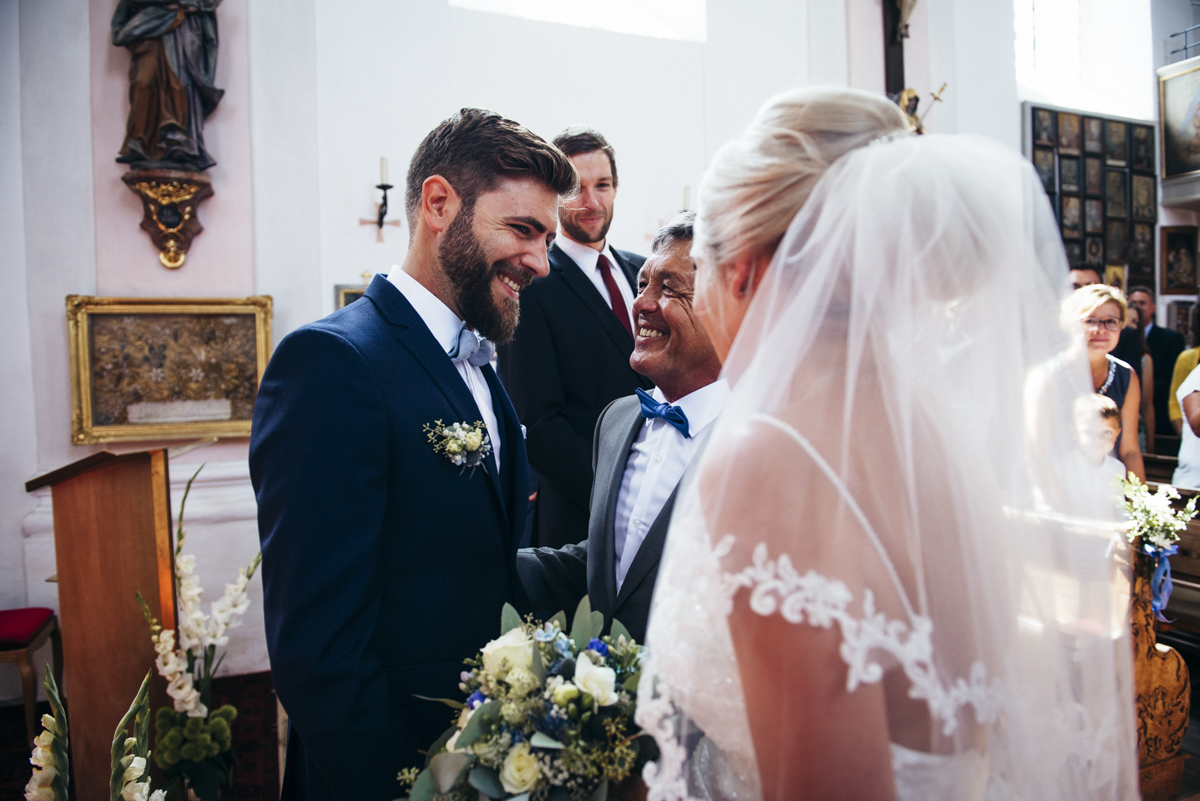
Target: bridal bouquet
[(1154, 531), (548, 715), (193, 742)]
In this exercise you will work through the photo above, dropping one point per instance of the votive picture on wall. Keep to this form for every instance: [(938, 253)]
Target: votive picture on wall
[(1093, 216), (1144, 205), (1044, 128), (1093, 135), (1074, 252), (1178, 254), (1094, 251), (1179, 121), (1072, 215), (1116, 242), (1043, 162), (1141, 247), (1116, 144), (1116, 194), (1142, 157), (1068, 178), (1070, 135), (1093, 178)]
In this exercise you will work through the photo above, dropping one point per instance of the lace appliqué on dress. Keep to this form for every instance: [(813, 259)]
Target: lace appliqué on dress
[(775, 586)]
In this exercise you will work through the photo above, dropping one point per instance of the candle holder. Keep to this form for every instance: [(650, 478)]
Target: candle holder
[(383, 207)]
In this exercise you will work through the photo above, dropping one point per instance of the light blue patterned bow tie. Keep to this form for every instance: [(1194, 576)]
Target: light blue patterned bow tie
[(472, 348)]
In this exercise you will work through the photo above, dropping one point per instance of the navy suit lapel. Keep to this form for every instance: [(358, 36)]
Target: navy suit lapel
[(574, 278), (646, 560), (514, 475), (616, 475)]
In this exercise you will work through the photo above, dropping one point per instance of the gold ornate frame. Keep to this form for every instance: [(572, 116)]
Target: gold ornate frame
[(1170, 73), (81, 309)]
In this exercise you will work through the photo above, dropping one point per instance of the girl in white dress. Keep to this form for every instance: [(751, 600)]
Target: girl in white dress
[(866, 593)]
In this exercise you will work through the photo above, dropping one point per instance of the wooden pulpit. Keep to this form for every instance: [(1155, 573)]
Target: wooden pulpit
[(112, 537)]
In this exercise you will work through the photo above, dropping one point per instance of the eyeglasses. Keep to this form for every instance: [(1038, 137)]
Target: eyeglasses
[(1111, 324)]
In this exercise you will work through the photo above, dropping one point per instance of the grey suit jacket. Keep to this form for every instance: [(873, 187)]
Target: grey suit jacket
[(556, 579)]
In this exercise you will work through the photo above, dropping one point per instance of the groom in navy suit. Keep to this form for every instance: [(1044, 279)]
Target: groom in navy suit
[(384, 563)]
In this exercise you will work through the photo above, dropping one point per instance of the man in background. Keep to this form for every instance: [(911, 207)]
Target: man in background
[(1165, 345), (570, 356)]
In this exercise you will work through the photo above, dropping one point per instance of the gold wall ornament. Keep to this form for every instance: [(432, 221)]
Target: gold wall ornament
[(170, 200), (165, 368)]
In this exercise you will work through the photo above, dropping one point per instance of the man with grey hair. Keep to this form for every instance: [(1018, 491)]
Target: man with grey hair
[(570, 356), (642, 445)]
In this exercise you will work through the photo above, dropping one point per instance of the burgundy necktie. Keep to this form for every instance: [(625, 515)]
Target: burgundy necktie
[(614, 293)]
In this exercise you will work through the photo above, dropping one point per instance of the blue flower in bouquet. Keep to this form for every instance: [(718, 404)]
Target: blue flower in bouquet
[(547, 633), (599, 647), (475, 699)]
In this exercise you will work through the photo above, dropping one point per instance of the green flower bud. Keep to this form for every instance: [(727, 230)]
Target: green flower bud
[(193, 727), (174, 738), (202, 739), (212, 749), (192, 752)]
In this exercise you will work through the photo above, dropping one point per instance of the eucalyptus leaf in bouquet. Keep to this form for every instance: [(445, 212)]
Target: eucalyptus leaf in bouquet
[(548, 714)]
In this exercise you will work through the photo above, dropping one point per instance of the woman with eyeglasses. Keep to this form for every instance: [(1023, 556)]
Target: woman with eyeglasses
[(1101, 310)]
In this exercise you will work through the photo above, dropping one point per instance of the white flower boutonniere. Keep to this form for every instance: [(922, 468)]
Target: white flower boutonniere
[(464, 445)]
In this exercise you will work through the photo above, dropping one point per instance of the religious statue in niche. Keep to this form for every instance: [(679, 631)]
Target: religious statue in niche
[(173, 61)]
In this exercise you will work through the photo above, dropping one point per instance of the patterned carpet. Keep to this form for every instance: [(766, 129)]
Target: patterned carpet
[(256, 777)]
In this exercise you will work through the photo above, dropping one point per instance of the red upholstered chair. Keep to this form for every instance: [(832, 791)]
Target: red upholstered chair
[(23, 631)]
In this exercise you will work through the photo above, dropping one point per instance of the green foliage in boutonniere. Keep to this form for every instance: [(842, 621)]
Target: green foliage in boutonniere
[(464, 445)]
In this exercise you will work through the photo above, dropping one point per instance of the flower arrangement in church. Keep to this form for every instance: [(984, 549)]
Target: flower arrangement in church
[(1154, 530), (193, 742), (548, 715)]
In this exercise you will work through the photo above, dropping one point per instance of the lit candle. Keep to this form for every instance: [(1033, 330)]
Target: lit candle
[(383, 169), (687, 192)]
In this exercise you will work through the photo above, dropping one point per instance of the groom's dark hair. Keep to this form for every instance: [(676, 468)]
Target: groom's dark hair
[(475, 148)]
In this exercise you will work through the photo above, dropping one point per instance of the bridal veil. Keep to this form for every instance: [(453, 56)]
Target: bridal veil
[(888, 557)]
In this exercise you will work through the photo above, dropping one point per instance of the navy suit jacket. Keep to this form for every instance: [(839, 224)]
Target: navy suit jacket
[(568, 360), (384, 565)]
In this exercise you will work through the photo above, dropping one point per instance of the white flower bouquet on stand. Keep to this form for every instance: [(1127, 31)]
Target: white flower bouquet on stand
[(193, 741), (548, 715)]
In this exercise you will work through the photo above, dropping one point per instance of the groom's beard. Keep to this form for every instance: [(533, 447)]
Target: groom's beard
[(472, 277)]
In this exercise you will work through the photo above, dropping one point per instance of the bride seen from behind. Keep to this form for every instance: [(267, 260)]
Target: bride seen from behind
[(863, 595)]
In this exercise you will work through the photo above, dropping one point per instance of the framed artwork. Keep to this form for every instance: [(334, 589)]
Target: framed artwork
[(1093, 176), (1072, 217), (1093, 251), (1068, 174), (1093, 216), (1043, 162), (1142, 147), (345, 294), (1179, 317), (1074, 253), (168, 368), (1116, 193), (1116, 241), (1179, 130), (1144, 203), (1177, 251), (1114, 275), (1070, 134), (1141, 247), (1093, 135), (1044, 127), (1116, 143)]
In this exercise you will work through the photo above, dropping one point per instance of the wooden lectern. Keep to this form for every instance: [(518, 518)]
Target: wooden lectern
[(112, 537)]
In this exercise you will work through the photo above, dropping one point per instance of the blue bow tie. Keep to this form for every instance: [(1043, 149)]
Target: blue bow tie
[(672, 414), (472, 348)]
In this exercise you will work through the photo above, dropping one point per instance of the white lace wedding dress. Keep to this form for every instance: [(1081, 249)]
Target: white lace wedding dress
[(886, 471)]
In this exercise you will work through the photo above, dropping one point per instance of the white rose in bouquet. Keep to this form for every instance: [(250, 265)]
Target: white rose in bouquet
[(598, 682), (520, 771), (515, 647)]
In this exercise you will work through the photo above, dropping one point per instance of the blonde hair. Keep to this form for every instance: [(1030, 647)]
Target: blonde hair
[(1087, 299), (1101, 405), (758, 181)]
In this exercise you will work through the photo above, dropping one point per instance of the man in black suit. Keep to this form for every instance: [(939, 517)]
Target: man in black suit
[(643, 444), (385, 560), (570, 356), (1165, 346)]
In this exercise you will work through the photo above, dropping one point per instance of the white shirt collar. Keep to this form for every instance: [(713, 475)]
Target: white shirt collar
[(1146, 330), (702, 406), (583, 255), (441, 321)]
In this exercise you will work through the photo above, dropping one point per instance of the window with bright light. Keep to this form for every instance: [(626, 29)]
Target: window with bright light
[(663, 19)]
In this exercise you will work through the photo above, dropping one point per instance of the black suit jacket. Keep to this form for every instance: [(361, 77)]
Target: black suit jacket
[(568, 360), (1165, 345), (557, 579), (384, 565)]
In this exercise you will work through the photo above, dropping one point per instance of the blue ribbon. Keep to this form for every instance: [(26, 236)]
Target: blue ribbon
[(672, 414), (1160, 583)]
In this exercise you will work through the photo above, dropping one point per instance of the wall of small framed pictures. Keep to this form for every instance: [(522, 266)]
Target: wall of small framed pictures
[(1100, 174)]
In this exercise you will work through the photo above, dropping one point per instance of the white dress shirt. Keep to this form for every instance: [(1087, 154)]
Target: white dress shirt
[(588, 260), (1187, 473), (444, 324), (659, 456)]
